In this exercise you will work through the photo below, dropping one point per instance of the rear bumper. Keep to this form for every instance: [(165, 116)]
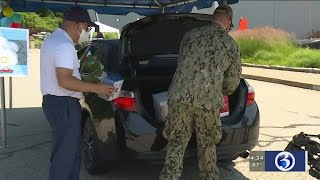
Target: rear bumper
[(143, 141), (223, 153)]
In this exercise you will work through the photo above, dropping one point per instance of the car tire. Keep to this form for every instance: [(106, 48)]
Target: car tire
[(94, 164)]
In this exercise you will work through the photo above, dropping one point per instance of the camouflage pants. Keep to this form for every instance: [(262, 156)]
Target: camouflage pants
[(183, 120)]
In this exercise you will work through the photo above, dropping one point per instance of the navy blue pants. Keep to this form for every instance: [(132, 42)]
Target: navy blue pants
[(64, 116)]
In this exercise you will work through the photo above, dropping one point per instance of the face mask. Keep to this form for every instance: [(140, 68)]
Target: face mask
[(84, 36)]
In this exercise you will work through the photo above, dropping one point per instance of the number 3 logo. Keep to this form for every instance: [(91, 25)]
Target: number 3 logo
[(284, 161)]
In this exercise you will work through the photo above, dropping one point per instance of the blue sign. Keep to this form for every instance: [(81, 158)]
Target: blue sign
[(286, 161), (14, 52)]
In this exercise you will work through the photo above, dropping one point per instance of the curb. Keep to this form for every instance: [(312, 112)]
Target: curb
[(304, 70), (284, 82)]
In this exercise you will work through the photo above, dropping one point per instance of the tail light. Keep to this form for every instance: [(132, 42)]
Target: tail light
[(251, 95), (225, 111), (125, 101), (250, 100)]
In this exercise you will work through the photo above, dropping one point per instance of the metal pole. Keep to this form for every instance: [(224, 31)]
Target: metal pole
[(10, 93), (3, 115)]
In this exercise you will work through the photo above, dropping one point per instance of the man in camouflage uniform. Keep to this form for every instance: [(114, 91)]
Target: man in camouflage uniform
[(208, 67)]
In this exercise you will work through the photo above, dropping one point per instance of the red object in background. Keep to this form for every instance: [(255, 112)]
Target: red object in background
[(243, 24), (15, 25)]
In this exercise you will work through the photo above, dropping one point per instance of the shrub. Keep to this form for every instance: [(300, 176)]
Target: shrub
[(108, 35), (44, 12), (266, 34), (33, 20), (250, 46), (111, 35), (59, 15), (270, 46), (37, 43), (305, 58)]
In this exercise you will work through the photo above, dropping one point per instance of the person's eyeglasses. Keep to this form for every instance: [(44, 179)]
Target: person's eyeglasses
[(88, 29)]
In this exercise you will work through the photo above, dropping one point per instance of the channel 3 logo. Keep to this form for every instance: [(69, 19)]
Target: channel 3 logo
[(284, 161)]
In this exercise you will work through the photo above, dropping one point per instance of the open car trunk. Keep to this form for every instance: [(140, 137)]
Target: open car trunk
[(156, 77), (159, 34), (151, 45)]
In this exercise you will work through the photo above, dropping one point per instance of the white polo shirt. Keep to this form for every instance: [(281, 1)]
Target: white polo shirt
[(58, 50)]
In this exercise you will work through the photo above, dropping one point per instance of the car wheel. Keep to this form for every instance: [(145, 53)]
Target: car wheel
[(92, 161)]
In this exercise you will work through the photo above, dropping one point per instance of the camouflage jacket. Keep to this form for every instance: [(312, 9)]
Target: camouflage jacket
[(209, 67)]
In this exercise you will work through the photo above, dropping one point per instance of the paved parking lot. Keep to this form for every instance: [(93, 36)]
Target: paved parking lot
[(285, 111)]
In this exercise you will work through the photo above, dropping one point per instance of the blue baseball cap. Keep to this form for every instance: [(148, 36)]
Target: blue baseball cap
[(79, 14)]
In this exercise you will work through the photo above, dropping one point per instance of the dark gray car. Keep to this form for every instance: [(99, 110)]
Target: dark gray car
[(146, 58)]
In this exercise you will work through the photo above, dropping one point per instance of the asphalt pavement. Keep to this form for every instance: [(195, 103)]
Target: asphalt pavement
[(285, 111)]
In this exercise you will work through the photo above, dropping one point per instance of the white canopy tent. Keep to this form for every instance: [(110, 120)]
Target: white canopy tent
[(104, 28)]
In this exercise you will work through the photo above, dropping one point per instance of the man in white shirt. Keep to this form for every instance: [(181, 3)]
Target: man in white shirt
[(62, 88)]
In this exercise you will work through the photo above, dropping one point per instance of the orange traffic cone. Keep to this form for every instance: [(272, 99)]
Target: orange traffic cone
[(243, 24)]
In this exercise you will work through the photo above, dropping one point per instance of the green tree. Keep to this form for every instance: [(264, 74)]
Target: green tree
[(32, 20), (44, 12)]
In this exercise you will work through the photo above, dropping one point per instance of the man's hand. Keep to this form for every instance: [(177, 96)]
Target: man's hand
[(67, 81), (104, 89)]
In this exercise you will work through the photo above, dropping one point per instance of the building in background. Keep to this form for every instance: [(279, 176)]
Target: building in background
[(299, 17)]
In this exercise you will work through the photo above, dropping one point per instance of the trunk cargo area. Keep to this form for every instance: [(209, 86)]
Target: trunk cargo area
[(155, 76), (150, 47)]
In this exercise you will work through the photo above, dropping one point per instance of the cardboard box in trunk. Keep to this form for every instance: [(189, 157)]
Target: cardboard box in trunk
[(160, 105)]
